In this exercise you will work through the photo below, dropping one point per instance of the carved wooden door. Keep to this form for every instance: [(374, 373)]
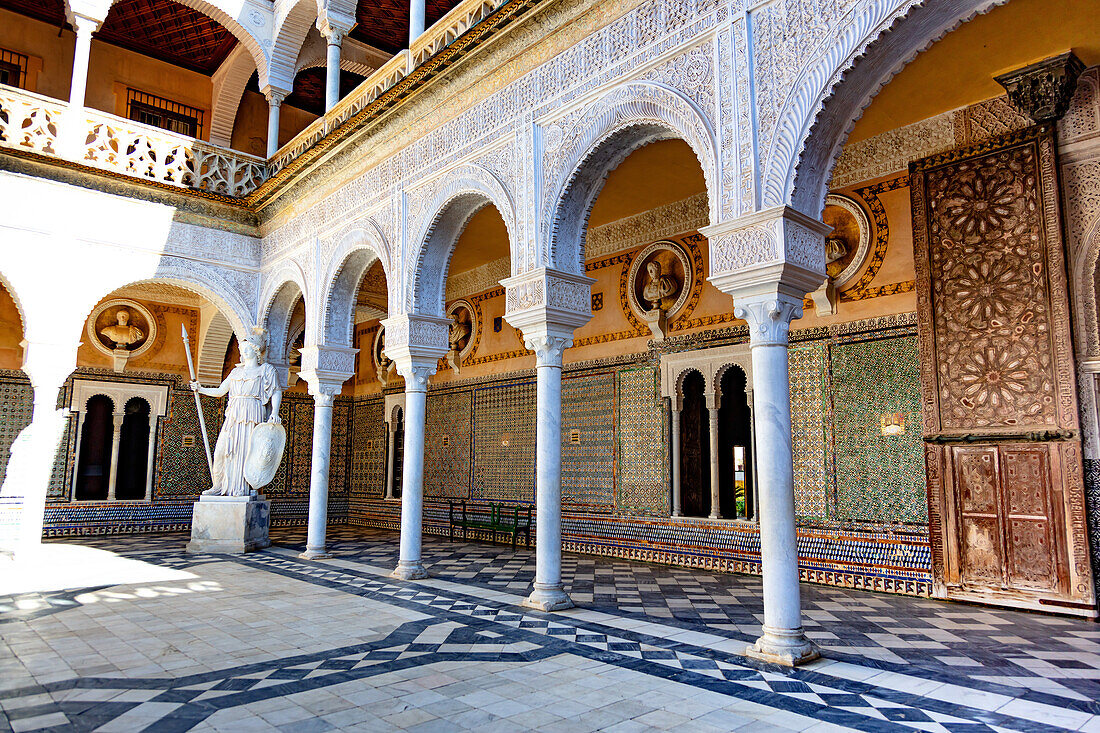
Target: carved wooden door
[(1008, 533), (1003, 449)]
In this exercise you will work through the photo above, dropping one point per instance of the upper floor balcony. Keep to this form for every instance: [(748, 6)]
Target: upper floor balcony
[(47, 129)]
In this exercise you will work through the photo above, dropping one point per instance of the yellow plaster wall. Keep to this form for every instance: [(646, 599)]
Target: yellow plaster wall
[(250, 129), (11, 332), (958, 70)]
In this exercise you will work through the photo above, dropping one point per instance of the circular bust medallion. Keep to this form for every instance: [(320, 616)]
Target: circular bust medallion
[(121, 324), (661, 276), (847, 246)]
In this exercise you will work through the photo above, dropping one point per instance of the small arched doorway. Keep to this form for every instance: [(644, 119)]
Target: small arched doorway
[(694, 448), (396, 452), (735, 448), (94, 468), (133, 452)]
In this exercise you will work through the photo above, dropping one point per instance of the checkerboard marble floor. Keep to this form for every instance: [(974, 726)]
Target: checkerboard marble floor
[(266, 641)]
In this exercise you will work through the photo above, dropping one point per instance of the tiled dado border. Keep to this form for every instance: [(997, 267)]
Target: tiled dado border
[(886, 561), (80, 519)]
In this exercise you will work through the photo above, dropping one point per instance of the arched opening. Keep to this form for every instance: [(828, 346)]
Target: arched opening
[(694, 447), (395, 452), (736, 448), (16, 407), (132, 480), (93, 472), (917, 422)]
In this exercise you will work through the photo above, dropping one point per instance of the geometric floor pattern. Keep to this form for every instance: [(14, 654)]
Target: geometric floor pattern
[(266, 641)]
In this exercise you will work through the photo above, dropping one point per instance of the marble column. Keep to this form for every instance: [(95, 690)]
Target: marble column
[(549, 592), (274, 101), (151, 457), (769, 317), (84, 28), (715, 506), (325, 369), (409, 565), (677, 511), (34, 450), (116, 440), (318, 475), (416, 20)]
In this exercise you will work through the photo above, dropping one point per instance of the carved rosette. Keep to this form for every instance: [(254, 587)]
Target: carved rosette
[(776, 250)]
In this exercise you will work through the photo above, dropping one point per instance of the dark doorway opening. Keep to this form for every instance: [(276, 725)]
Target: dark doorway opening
[(694, 448), (94, 469), (398, 448), (735, 477), (133, 452)]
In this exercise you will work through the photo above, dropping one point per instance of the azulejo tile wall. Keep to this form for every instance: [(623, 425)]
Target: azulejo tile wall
[(368, 449), (588, 453), (448, 442), (810, 429), (504, 442), (879, 478), (643, 472)]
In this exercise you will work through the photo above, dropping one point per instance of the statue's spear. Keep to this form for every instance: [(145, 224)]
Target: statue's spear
[(198, 405)]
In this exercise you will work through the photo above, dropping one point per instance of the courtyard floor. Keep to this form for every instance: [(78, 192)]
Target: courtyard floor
[(164, 641)]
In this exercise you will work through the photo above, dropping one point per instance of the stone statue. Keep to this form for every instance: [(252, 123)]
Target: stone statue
[(251, 386), (385, 365), (122, 334), (657, 285)]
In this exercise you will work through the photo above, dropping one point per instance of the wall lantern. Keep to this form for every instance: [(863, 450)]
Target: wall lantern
[(505, 440), (892, 424)]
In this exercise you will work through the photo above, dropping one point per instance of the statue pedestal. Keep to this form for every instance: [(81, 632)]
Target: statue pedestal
[(230, 524)]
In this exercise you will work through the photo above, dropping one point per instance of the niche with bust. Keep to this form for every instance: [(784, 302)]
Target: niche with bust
[(658, 285), (122, 329)]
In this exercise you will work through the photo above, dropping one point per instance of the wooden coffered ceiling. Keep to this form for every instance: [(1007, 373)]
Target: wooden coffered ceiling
[(171, 32)]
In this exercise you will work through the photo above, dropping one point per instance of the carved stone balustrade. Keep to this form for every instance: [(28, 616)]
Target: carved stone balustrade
[(35, 124)]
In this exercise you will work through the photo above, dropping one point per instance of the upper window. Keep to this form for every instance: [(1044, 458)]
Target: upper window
[(13, 69), (164, 113)]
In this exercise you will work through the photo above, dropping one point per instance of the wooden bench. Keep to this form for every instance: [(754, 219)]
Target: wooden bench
[(498, 519)]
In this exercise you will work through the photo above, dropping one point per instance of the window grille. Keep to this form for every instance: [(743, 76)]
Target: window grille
[(13, 69), (163, 113)]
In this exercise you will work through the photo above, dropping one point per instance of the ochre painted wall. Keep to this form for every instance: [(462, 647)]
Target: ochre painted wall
[(11, 332)]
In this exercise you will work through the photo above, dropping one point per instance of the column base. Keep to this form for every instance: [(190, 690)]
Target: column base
[(788, 647), (715, 516), (409, 571), (314, 554), (548, 598), (677, 514)]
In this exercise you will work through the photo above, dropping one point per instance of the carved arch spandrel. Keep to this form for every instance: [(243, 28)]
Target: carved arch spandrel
[(282, 291), (357, 248), (580, 150), (823, 92), (437, 215)]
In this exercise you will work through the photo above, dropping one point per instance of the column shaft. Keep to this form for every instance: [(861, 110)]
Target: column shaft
[(332, 72), (318, 478), (549, 592), (81, 55), (416, 20), (273, 126), (116, 441), (391, 454), (677, 511), (409, 565), (715, 507), (151, 458)]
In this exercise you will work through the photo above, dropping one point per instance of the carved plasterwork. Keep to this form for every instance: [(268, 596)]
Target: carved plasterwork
[(1043, 90), (352, 255), (658, 284), (463, 333), (580, 149), (711, 363), (687, 215)]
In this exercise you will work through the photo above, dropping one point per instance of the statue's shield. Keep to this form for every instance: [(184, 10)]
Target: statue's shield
[(265, 451)]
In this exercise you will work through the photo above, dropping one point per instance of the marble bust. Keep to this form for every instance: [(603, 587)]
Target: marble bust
[(459, 331), (658, 286), (122, 334)]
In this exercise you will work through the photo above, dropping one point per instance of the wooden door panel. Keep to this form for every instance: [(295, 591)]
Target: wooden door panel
[(1031, 557), (1026, 481), (981, 562)]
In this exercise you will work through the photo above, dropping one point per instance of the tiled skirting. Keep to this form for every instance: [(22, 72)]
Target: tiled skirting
[(892, 562)]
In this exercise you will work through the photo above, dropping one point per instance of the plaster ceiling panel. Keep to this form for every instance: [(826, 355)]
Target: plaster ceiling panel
[(384, 24)]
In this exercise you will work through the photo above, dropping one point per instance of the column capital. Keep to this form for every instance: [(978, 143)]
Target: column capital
[(548, 347), (416, 338), (326, 368), (544, 302), (275, 95), (83, 24), (769, 316), (334, 29), (778, 245)]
